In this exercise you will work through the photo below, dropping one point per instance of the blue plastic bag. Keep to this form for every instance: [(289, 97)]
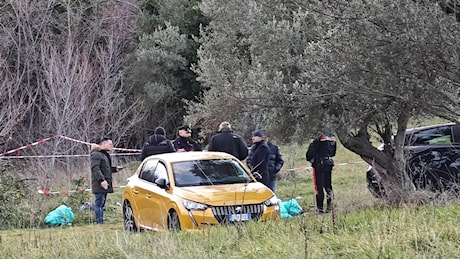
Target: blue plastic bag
[(290, 208), (283, 211), (62, 215)]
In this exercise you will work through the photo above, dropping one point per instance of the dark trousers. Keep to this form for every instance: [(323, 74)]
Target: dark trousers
[(322, 179)]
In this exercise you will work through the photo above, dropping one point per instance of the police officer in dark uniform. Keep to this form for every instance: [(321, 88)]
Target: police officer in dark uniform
[(184, 142), (320, 153)]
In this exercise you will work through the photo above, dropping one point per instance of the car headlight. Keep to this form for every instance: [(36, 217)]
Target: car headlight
[(192, 205), (271, 201)]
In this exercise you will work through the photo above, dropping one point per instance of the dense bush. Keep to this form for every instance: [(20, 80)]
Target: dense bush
[(13, 193), (22, 207), (76, 200)]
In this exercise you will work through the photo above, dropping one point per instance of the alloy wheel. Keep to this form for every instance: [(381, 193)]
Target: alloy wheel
[(128, 218), (173, 221)]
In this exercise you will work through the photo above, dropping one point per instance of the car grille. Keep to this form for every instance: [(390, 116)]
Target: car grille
[(221, 212)]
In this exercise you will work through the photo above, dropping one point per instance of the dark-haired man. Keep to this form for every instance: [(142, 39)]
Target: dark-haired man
[(101, 175)]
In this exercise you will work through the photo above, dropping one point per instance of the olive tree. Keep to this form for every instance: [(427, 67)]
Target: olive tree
[(384, 64), (355, 67), (247, 48)]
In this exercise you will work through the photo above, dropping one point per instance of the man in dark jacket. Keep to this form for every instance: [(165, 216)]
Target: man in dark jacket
[(157, 144), (275, 162), (101, 175), (258, 158), (184, 142), (320, 153), (227, 141)]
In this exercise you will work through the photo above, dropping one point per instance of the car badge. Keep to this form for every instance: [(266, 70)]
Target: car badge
[(238, 209)]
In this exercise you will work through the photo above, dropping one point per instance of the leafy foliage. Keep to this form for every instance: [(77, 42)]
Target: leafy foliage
[(165, 51), (76, 200), (14, 192)]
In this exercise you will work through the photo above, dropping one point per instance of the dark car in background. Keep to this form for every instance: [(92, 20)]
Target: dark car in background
[(434, 158)]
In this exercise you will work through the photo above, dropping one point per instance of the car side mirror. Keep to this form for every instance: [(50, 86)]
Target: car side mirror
[(161, 182)]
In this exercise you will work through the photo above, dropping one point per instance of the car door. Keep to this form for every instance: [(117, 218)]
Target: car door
[(456, 134), (160, 198), (143, 193)]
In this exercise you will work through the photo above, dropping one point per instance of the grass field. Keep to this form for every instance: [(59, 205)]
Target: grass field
[(360, 227)]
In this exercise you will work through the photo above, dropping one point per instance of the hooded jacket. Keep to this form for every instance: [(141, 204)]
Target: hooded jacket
[(101, 169), (156, 144)]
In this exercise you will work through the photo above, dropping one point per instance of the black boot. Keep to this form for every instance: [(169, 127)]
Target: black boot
[(329, 200), (319, 203)]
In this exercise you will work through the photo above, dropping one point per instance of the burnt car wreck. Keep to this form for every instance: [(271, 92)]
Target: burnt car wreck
[(434, 159)]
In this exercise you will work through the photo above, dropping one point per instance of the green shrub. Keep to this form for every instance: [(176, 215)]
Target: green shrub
[(14, 192)]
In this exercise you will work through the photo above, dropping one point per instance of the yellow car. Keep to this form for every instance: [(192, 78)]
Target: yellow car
[(189, 190)]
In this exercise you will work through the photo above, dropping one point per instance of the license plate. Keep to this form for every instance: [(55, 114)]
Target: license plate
[(239, 217)]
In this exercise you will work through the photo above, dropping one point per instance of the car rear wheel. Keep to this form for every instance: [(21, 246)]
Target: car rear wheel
[(173, 220), (128, 218)]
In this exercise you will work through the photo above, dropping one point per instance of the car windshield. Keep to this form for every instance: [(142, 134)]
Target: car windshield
[(209, 172), (441, 135)]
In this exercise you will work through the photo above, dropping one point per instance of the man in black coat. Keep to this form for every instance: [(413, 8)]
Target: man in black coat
[(258, 157), (157, 144), (320, 153), (101, 175), (227, 141)]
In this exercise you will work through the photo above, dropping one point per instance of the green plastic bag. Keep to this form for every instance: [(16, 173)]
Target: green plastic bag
[(62, 215)]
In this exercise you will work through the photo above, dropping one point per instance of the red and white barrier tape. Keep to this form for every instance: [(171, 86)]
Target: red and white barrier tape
[(63, 137), (26, 146), (61, 156), (74, 140), (304, 168), (83, 142), (64, 192)]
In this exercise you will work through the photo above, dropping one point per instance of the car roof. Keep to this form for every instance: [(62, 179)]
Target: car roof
[(416, 129), (190, 156)]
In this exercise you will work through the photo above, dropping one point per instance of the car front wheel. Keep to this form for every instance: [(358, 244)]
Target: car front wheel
[(128, 218), (173, 220)]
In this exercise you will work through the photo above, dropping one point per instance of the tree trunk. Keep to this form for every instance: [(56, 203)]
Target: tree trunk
[(390, 171)]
